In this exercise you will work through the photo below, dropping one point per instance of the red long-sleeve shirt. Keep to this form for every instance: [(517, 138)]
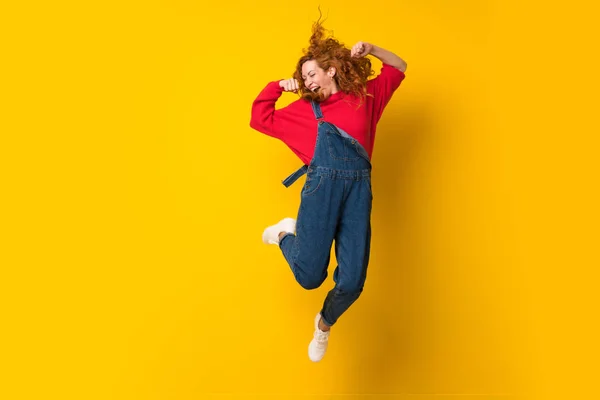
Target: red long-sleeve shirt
[(296, 125)]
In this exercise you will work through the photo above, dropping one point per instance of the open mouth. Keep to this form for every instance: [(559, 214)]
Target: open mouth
[(315, 89)]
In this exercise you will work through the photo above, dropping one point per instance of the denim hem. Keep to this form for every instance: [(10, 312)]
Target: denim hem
[(284, 236), (325, 321)]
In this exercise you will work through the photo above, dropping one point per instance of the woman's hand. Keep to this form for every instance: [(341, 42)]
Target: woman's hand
[(289, 85), (361, 49)]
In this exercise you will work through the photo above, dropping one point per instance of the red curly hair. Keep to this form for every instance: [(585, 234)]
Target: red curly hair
[(351, 73)]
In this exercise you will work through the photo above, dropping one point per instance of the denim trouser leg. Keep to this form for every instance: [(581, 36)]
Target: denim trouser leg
[(352, 250), (308, 252)]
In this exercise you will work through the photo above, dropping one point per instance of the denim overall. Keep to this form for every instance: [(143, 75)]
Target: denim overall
[(335, 205)]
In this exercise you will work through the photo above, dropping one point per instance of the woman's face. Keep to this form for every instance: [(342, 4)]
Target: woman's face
[(318, 80)]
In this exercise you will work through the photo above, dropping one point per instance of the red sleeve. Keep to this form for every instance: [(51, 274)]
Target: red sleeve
[(265, 118), (384, 86)]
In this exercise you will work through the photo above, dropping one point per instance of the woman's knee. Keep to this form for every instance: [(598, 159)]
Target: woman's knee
[(309, 282)]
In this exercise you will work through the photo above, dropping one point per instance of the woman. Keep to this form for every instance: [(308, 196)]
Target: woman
[(331, 128)]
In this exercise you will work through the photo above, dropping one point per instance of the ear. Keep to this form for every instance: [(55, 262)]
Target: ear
[(331, 72)]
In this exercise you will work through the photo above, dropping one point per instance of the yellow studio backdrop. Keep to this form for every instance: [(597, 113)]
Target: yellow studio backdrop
[(135, 195)]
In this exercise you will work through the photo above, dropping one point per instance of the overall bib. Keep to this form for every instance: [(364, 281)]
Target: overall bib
[(335, 205)]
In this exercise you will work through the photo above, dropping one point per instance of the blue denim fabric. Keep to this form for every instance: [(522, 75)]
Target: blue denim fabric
[(335, 206)]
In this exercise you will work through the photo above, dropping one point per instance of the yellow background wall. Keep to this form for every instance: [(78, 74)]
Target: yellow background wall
[(136, 194)]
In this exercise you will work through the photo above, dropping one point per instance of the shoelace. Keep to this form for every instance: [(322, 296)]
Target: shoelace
[(321, 337)]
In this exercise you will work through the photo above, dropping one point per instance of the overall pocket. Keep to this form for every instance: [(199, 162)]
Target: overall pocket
[(312, 184), (342, 149)]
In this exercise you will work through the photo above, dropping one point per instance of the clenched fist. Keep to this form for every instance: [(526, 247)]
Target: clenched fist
[(289, 85), (361, 49)]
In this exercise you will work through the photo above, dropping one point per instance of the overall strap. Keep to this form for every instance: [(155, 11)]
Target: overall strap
[(287, 182), (317, 110)]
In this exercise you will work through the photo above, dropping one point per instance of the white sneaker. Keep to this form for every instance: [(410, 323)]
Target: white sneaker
[(271, 234), (318, 346)]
